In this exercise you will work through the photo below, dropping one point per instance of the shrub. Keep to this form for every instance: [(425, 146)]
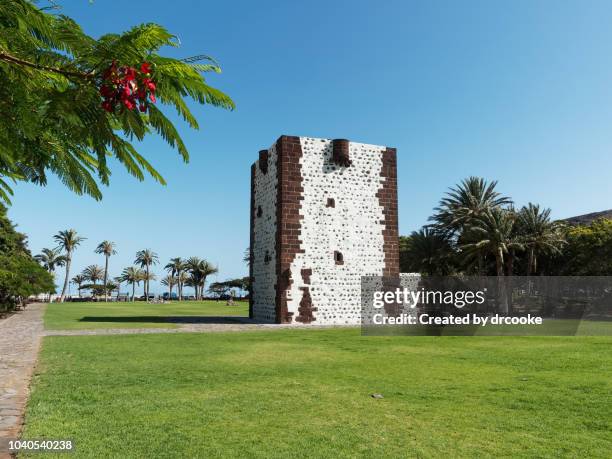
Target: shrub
[(20, 275)]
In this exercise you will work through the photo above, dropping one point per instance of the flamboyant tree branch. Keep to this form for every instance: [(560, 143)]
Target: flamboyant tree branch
[(15, 60)]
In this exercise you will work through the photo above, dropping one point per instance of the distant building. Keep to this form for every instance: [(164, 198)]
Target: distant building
[(323, 214)]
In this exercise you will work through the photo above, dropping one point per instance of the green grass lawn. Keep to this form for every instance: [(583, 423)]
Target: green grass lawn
[(67, 316), (306, 393)]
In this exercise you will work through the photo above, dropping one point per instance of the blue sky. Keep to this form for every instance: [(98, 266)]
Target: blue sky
[(519, 92)]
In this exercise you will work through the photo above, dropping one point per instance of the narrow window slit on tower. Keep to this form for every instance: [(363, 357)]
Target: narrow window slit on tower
[(259, 211), (338, 258), (330, 202)]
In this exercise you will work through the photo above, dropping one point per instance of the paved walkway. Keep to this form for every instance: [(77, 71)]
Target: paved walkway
[(20, 337)]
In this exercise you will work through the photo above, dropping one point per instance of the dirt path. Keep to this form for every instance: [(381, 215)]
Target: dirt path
[(20, 337), (231, 326)]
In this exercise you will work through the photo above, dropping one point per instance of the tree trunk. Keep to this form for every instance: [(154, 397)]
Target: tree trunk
[(510, 263), (68, 261), (502, 295), (530, 262), (499, 262), (180, 287), (146, 285), (106, 279), (133, 291)]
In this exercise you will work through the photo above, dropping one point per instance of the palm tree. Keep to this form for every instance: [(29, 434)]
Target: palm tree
[(145, 258), (147, 277), (78, 280), (118, 281), (107, 248), (111, 286), (491, 233), (538, 234), (132, 275), (206, 270), (169, 281), (68, 241), (190, 281), (176, 267), (464, 203), (50, 259), (426, 251), (199, 269), (181, 280), (468, 200), (94, 273)]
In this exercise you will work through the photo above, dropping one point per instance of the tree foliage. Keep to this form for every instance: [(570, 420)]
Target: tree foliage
[(588, 251), (52, 122), (20, 274), (50, 259), (427, 252), (223, 288), (67, 241), (199, 270), (476, 230)]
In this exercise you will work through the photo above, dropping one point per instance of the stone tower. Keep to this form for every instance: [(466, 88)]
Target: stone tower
[(323, 214)]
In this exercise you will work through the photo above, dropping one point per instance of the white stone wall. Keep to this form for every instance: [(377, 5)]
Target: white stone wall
[(353, 227), (264, 273), (370, 285)]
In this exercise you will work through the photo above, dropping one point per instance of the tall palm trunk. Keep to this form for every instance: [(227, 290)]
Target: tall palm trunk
[(180, 286), (133, 291), (499, 262), (146, 285), (501, 284), (510, 263), (68, 261), (106, 279), (530, 261)]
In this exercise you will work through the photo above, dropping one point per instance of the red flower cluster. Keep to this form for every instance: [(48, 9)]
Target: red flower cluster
[(127, 87)]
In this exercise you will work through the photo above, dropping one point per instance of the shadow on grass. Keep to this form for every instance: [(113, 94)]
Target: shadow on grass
[(171, 320)]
